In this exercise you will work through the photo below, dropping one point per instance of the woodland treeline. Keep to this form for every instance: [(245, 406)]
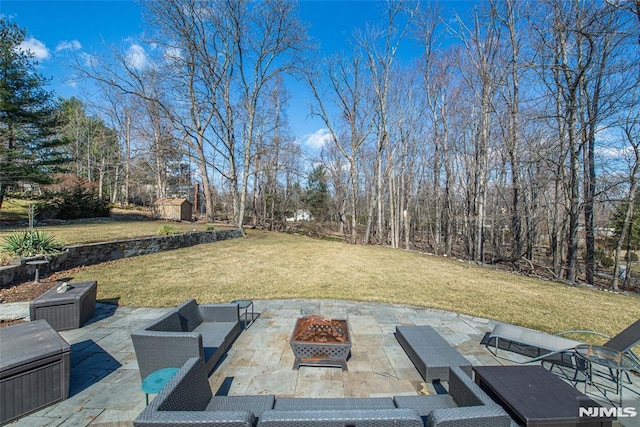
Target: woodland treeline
[(511, 135)]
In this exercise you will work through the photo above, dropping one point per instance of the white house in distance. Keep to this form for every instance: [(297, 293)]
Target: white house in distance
[(300, 215)]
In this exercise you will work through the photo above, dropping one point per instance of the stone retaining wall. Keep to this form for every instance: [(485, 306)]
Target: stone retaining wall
[(95, 253)]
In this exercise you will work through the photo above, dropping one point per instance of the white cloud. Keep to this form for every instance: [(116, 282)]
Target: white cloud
[(137, 57), (36, 47), (610, 144), (614, 153), (607, 135), (68, 45), (319, 138), (172, 54), (88, 60)]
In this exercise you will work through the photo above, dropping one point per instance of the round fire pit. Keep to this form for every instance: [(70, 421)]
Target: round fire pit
[(320, 341)]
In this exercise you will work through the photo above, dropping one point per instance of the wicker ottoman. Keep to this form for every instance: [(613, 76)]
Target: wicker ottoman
[(35, 366), (66, 310), (431, 354)]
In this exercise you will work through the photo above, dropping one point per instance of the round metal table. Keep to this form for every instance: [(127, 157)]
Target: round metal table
[(607, 357), (155, 381)]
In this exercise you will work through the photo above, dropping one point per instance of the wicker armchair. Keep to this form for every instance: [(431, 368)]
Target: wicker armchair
[(190, 330)]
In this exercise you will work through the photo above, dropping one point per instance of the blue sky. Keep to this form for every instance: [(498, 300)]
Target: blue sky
[(56, 29)]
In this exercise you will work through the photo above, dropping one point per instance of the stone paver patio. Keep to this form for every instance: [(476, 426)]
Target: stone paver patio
[(105, 382)]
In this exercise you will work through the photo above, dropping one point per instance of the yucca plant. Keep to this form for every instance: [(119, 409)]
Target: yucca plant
[(30, 243)]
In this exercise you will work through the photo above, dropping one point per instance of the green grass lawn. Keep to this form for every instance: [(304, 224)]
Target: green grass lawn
[(273, 265), (100, 230), (14, 210)]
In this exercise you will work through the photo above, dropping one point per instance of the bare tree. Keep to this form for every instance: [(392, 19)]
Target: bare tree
[(267, 38), (631, 132), (578, 48), (380, 46), (507, 14), (481, 43), (209, 52), (348, 91), (273, 158), (121, 110)]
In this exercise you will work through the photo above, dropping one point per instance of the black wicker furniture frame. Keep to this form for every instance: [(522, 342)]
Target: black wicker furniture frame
[(341, 418)]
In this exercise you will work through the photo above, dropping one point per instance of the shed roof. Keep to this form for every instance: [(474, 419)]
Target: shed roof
[(171, 202)]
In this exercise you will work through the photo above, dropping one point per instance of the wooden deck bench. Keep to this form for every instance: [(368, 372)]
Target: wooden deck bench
[(430, 353)]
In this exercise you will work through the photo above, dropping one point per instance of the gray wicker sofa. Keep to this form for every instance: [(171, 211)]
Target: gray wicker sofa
[(188, 401), (320, 412), (465, 405), (339, 418), (190, 330)]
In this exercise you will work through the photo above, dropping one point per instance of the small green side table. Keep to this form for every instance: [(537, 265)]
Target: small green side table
[(155, 381)]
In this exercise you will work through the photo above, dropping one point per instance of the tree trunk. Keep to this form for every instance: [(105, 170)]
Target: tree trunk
[(574, 200), (437, 202), (246, 169), (127, 164), (589, 203), (101, 171), (354, 202)]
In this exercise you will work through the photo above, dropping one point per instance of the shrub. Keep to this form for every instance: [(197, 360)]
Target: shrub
[(210, 228), (601, 257), (167, 230), (606, 262), (31, 243), (631, 256), (5, 258), (73, 200)]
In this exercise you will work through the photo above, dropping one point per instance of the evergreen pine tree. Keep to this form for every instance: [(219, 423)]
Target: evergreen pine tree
[(30, 145), (317, 195), (632, 239)]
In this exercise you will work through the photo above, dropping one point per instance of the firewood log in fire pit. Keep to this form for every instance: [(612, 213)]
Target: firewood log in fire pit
[(320, 330)]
